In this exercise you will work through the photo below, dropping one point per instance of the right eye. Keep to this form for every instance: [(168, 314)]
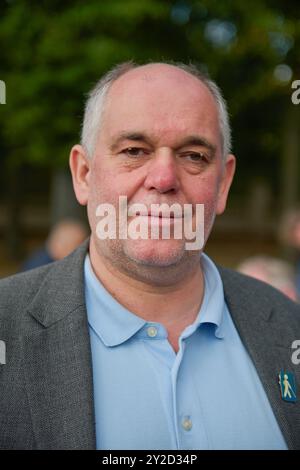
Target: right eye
[(134, 152)]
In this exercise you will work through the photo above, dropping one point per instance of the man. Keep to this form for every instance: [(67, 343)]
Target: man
[(138, 342)]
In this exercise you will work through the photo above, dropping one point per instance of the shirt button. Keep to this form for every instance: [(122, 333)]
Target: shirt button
[(151, 331), (187, 424)]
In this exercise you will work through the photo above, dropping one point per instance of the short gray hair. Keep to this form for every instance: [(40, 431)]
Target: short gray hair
[(96, 101)]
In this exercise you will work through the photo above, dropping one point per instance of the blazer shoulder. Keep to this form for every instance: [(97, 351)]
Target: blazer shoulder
[(47, 292), (16, 293), (23, 282)]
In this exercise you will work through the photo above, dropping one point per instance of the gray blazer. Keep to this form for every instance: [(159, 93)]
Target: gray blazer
[(46, 390)]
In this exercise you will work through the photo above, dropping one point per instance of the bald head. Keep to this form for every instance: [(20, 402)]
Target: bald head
[(156, 74), (165, 81)]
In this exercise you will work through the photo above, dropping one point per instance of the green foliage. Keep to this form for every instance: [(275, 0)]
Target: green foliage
[(52, 52)]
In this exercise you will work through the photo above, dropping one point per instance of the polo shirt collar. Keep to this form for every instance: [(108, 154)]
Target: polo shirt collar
[(110, 320), (116, 324), (213, 304)]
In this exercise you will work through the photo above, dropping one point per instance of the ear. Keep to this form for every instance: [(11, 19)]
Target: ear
[(225, 183), (80, 169)]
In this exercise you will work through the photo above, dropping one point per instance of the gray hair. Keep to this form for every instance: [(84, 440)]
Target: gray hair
[(95, 103)]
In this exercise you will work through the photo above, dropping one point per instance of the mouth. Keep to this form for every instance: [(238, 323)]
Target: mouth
[(158, 214), (159, 220)]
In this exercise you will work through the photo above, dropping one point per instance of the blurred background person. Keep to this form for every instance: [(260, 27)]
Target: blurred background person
[(289, 235), (64, 237), (273, 271)]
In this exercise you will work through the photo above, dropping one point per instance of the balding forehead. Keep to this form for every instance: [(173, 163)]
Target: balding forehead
[(154, 83), (157, 70), (156, 74)]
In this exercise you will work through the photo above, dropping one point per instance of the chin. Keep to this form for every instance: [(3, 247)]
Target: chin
[(155, 252)]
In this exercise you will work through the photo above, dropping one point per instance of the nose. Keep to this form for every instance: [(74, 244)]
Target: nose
[(162, 173)]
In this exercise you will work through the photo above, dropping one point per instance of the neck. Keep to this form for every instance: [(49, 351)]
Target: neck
[(175, 306)]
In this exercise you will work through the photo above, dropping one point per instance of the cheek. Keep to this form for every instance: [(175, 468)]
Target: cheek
[(98, 191), (102, 184), (106, 186), (109, 181), (205, 191)]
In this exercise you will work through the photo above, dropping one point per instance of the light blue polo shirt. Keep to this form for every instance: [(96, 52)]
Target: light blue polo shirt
[(207, 396)]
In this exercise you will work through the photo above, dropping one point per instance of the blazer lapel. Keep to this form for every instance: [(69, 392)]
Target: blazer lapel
[(268, 340), (57, 361)]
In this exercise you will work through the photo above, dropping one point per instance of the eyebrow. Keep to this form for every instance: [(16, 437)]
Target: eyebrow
[(134, 136), (198, 141), (194, 140)]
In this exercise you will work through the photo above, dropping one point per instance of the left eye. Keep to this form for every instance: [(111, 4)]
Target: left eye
[(194, 157), (134, 151)]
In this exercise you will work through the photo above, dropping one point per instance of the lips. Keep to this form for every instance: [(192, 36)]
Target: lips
[(159, 214)]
